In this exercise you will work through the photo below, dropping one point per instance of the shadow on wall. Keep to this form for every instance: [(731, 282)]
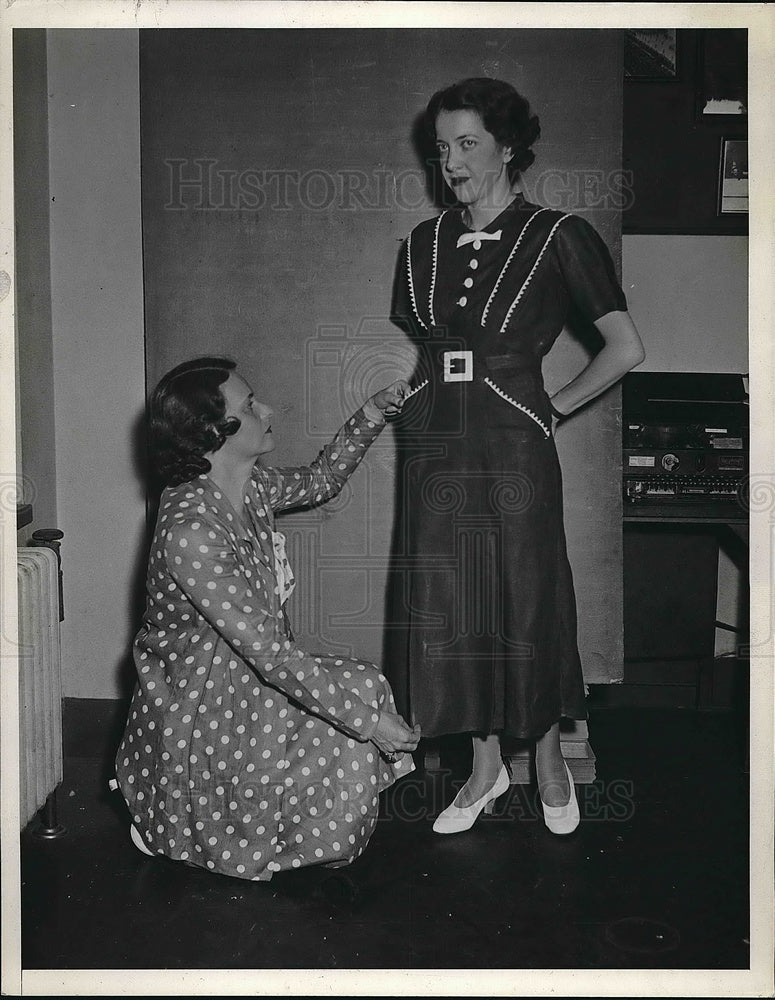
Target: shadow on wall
[(136, 593)]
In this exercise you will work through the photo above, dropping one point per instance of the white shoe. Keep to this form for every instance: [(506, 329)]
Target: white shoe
[(138, 841), (563, 819), (454, 819)]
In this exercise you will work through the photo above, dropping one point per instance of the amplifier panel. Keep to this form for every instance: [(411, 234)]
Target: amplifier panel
[(685, 446)]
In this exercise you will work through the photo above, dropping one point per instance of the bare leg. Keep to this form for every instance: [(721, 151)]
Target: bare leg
[(487, 765), (550, 769)]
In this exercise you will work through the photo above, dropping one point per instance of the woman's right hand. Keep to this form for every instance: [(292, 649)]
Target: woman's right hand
[(393, 735)]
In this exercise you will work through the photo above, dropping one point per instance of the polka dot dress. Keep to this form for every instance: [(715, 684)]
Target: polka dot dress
[(242, 753)]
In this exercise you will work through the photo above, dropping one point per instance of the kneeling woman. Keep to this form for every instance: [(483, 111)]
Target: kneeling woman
[(242, 753)]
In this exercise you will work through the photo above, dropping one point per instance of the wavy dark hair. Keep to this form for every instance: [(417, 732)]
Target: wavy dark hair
[(186, 419), (505, 114)]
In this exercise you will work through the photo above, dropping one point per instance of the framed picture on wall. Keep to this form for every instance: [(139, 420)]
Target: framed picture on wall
[(650, 54), (733, 177), (722, 74)]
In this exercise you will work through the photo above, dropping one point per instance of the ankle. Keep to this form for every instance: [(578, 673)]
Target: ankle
[(548, 753), (486, 769)]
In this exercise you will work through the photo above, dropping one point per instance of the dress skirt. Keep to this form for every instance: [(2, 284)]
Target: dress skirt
[(482, 636)]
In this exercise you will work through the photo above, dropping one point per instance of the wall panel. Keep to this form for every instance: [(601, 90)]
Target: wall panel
[(279, 178)]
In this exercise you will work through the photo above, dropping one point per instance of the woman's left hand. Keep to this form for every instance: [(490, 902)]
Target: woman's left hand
[(390, 399), (393, 736)]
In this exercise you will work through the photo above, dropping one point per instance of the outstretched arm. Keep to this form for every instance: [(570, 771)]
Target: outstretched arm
[(327, 474)]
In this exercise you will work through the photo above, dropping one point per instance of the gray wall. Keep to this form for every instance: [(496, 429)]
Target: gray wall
[(97, 319), (298, 287), (34, 349), (689, 295)]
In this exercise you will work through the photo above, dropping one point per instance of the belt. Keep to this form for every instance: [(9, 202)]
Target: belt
[(458, 366)]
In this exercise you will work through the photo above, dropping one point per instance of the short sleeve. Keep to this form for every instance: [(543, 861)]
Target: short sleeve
[(588, 269)]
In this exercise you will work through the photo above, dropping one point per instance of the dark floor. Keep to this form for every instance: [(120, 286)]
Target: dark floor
[(655, 877)]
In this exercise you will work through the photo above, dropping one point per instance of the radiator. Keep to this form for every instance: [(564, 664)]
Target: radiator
[(40, 681)]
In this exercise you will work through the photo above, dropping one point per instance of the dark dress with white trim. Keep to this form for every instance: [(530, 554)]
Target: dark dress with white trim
[(482, 622), (243, 753)]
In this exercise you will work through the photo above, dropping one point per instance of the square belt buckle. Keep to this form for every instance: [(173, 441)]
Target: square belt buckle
[(455, 359)]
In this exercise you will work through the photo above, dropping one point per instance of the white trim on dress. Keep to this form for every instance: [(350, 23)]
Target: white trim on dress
[(508, 261), (411, 280), (434, 267), (527, 280), (525, 409)]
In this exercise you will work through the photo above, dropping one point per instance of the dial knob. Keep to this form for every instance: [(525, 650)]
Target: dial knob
[(670, 462)]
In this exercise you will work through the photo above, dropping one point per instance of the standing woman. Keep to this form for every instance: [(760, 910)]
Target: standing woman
[(483, 637)]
